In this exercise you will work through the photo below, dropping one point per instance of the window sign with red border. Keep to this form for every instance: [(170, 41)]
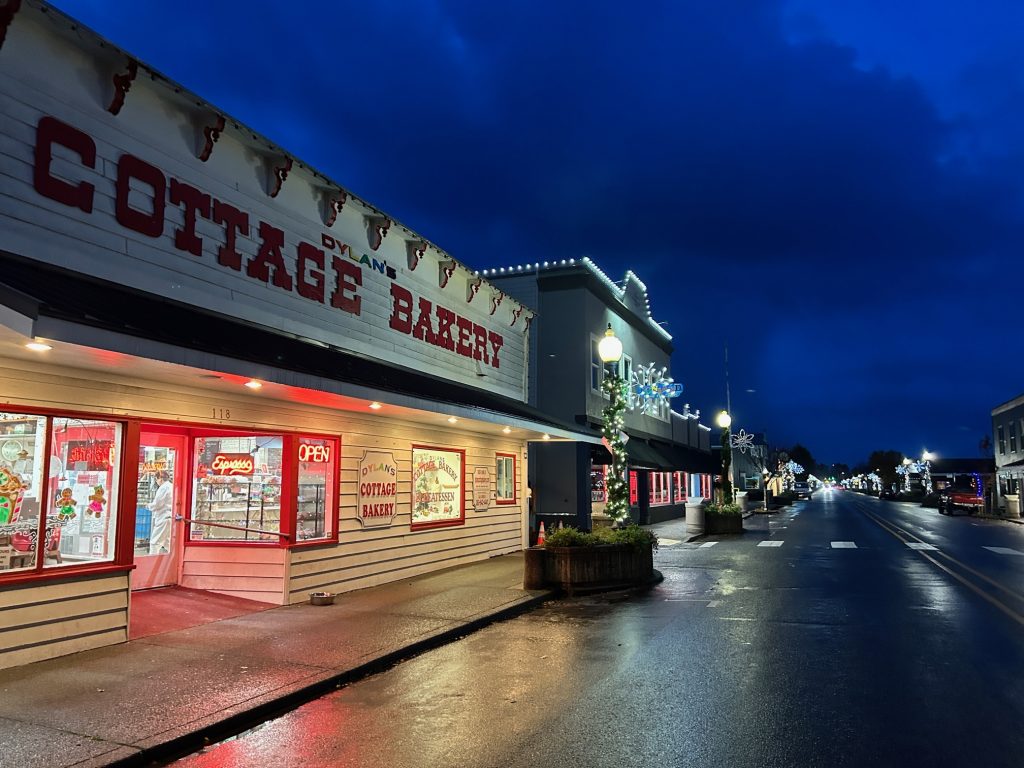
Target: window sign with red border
[(438, 487), (633, 496)]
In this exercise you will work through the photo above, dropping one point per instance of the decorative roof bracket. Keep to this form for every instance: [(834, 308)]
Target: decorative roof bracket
[(415, 250), (376, 230), (122, 84), (211, 133)]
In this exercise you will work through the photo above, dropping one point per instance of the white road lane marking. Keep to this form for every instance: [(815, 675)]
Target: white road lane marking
[(714, 603), (920, 545), (668, 542), (843, 545), (707, 544), (769, 544), (1004, 551)]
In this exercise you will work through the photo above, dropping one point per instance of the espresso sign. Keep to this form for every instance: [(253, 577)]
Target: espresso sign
[(481, 488), (232, 464), (378, 489)]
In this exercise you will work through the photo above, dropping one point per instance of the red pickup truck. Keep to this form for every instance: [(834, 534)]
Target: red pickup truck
[(966, 497)]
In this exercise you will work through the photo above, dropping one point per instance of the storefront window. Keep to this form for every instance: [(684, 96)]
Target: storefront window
[(315, 489), (237, 489), (22, 443), (437, 487), (679, 482), (81, 511), (633, 495), (505, 473), (659, 490)]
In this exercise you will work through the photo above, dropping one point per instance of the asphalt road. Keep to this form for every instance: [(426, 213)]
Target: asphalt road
[(840, 646)]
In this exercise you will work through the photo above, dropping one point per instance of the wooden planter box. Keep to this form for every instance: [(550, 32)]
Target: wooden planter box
[(722, 523), (593, 569)]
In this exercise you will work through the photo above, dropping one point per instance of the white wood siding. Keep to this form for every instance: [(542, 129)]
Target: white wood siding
[(50, 619), (255, 573)]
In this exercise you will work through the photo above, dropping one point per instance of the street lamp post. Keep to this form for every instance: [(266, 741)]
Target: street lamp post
[(610, 351), (724, 421)]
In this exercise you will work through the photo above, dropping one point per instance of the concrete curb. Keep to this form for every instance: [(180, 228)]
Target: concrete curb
[(232, 725)]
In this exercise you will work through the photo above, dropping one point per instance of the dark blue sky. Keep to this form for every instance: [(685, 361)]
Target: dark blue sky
[(833, 189)]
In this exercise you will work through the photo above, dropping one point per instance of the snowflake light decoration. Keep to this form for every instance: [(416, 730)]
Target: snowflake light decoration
[(741, 441)]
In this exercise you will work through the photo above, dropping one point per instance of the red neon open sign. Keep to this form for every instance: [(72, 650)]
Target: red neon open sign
[(314, 454)]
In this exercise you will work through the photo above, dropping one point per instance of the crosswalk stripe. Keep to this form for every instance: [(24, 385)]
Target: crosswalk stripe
[(1004, 551), (668, 542), (920, 545), (843, 545), (707, 544), (775, 543)]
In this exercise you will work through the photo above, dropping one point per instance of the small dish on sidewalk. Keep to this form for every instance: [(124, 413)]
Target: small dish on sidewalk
[(321, 598)]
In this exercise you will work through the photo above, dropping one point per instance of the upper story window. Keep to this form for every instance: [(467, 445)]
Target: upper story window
[(1001, 436), (1013, 436), (596, 366)]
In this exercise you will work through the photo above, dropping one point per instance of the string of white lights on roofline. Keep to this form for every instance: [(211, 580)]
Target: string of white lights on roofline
[(598, 272)]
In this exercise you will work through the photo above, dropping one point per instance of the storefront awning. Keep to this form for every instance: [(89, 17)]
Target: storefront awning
[(61, 305), (659, 456)]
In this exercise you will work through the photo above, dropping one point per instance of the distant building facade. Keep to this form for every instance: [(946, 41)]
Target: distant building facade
[(669, 449), (1008, 436)]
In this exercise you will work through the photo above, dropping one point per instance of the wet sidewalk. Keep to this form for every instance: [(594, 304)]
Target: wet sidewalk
[(151, 698)]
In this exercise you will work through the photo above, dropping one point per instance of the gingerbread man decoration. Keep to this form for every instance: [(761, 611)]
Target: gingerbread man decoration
[(65, 505), (97, 500)]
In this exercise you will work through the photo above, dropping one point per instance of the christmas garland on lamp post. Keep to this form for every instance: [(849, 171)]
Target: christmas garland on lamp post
[(617, 507), (609, 349)]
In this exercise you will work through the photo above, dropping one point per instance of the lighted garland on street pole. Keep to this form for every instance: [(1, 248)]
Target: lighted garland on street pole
[(610, 351), (617, 507)]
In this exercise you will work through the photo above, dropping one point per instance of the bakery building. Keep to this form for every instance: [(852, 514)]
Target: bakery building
[(218, 368)]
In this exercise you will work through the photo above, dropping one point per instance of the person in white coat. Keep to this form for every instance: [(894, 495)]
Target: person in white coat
[(161, 507)]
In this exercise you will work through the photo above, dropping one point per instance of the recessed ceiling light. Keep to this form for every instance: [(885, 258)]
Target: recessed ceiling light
[(38, 346), (507, 430), (546, 436), (376, 406), (452, 420), (253, 384)]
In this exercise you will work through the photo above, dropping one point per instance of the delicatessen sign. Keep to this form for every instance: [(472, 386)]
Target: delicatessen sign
[(438, 483), (378, 489)]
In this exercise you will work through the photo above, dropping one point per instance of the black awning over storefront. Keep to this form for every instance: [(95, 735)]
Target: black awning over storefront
[(659, 456), (685, 458), (41, 291)]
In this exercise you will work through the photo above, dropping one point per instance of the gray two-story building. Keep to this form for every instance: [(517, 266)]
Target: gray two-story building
[(1008, 434), (670, 461)]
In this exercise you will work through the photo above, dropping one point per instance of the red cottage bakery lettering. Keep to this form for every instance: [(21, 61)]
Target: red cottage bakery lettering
[(269, 265), (441, 327)]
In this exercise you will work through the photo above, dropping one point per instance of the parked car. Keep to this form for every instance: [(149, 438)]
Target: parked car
[(967, 498), (802, 490)]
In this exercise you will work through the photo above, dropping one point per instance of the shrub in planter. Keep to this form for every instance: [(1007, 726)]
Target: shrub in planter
[(605, 559), (723, 518)]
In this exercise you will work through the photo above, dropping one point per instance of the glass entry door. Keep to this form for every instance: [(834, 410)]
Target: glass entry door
[(161, 494)]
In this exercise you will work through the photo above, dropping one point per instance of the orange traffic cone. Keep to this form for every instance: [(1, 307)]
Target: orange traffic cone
[(540, 534)]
